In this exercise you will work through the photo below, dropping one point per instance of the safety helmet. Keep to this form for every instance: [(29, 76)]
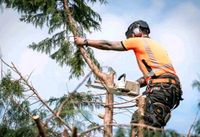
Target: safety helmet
[(137, 28)]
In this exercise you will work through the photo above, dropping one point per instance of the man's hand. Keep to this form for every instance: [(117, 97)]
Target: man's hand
[(80, 41), (142, 81)]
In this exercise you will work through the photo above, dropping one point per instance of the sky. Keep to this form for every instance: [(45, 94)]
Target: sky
[(175, 24)]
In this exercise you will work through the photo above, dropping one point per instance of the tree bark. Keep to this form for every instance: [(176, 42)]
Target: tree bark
[(106, 79), (74, 132), (108, 117), (141, 107), (39, 126), (65, 133)]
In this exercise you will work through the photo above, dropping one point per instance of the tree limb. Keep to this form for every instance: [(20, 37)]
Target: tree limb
[(39, 126), (36, 93)]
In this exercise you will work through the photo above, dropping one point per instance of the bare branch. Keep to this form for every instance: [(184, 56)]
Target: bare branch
[(29, 97), (122, 125), (81, 83), (120, 107), (66, 100), (36, 93)]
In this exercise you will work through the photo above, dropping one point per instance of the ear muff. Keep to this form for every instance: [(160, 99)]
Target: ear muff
[(137, 32)]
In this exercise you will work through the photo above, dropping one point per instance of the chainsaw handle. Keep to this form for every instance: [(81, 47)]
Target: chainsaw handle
[(122, 76)]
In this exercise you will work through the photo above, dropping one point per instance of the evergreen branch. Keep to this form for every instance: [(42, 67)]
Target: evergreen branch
[(77, 100), (196, 84), (101, 1), (37, 19), (48, 44), (77, 63), (36, 93), (55, 14), (64, 54), (64, 102), (19, 105), (87, 118)]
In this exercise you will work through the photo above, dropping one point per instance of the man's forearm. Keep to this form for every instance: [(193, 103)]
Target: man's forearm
[(105, 44), (100, 44)]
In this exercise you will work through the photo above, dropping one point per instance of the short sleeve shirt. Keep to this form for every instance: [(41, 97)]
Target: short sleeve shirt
[(150, 55)]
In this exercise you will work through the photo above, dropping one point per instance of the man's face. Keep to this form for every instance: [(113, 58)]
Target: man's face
[(130, 36)]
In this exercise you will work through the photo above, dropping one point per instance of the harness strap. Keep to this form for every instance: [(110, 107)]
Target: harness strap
[(162, 80), (154, 61)]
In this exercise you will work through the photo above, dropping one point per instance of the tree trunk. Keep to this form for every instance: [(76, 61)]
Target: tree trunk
[(106, 79), (141, 106), (39, 126), (108, 117)]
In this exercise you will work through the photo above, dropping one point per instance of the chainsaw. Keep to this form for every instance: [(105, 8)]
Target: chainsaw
[(121, 86)]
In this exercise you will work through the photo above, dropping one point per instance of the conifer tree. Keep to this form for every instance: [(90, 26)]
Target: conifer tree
[(60, 46), (196, 84), (13, 121), (52, 13)]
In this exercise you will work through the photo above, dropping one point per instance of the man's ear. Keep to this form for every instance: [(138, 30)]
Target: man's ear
[(132, 35)]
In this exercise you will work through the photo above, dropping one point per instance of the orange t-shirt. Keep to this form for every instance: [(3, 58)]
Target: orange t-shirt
[(150, 53)]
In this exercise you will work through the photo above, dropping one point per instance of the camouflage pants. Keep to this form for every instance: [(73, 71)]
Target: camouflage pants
[(160, 99)]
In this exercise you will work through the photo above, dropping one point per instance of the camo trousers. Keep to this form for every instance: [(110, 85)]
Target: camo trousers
[(160, 99)]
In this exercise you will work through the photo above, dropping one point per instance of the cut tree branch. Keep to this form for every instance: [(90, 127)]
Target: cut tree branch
[(39, 126)]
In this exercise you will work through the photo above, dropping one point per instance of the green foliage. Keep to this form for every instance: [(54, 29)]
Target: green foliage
[(60, 47), (152, 133), (76, 108), (157, 133), (10, 87), (196, 84), (120, 132), (197, 127), (52, 13), (172, 133), (14, 121), (76, 102), (20, 132)]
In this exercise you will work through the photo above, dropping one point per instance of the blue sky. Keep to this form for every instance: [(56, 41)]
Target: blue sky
[(175, 24)]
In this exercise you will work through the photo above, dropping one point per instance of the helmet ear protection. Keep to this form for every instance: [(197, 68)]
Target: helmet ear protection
[(137, 31)]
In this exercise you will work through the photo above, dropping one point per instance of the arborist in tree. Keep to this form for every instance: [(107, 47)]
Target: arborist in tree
[(163, 91)]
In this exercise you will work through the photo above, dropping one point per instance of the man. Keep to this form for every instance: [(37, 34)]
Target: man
[(163, 91)]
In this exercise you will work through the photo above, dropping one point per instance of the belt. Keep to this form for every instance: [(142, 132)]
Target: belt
[(162, 80)]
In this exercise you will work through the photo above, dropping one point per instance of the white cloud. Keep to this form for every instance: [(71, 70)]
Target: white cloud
[(33, 62), (113, 28), (179, 31)]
